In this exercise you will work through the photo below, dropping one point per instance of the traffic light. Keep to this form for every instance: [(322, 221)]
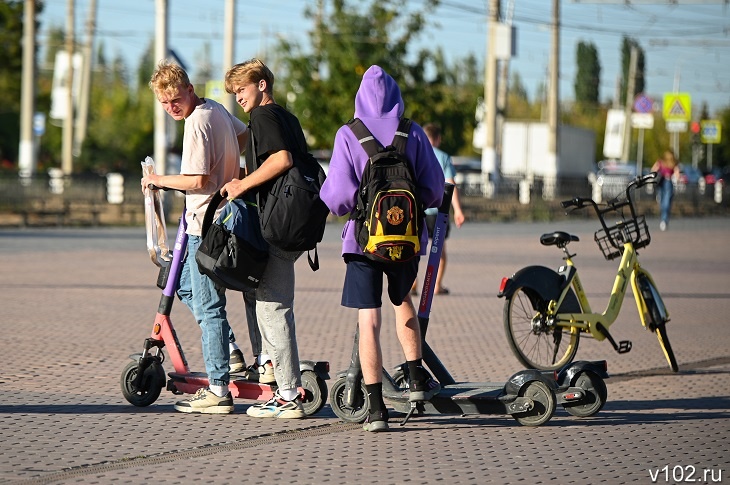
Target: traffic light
[(695, 128)]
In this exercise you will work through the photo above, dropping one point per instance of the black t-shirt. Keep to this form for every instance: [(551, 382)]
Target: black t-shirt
[(273, 128)]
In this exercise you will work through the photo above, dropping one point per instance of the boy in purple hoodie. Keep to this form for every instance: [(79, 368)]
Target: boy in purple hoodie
[(379, 105)]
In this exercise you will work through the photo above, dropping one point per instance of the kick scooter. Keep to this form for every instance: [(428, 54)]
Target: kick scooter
[(529, 396), (142, 379)]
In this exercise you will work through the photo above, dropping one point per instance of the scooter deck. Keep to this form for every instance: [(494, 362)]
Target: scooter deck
[(239, 386), (461, 398)]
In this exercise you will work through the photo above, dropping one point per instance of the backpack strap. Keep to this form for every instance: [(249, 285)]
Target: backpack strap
[(366, 139), (371, 145), (400, 139)]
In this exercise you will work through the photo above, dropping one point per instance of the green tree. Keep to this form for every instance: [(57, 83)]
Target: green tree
[(588, 75), (319, 87), (11, 68)]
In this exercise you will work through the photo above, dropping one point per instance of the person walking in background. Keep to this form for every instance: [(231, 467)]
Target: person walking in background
[(276, 134), (211, 150), (667, 169), (433, 132), (379, 105)]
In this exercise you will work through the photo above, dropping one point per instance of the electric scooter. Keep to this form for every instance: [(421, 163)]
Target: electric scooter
[(530, 396), (142, 379)]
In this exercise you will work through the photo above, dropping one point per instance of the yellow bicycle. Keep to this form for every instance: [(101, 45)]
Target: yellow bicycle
[(546, 311)]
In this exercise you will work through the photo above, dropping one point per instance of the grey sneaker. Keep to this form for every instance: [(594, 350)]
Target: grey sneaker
[(423, 391), (376, 422), (204, 401), (236, 362), (278, 407)]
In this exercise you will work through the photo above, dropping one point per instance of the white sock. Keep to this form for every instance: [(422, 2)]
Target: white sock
[(232, 346), (288, 394), (219, 391), (263, 358)]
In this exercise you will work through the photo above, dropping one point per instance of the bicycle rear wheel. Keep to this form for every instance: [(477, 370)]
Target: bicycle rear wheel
[(661, 334), (533, 342)]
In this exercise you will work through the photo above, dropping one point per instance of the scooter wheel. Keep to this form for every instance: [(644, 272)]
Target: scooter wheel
[(352, 414), (150, 387), (596, 395), (544, 404), (315, 392)]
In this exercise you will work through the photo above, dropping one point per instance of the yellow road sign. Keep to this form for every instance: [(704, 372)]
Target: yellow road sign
[(710, 131), (677, 107)]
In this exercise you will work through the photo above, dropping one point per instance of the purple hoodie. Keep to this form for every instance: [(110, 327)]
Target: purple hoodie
[(379, 105)]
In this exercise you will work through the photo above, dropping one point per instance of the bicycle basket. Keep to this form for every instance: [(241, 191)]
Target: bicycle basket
[(636, 230)]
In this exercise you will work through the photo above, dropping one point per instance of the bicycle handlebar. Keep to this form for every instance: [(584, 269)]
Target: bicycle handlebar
[(614, 204)]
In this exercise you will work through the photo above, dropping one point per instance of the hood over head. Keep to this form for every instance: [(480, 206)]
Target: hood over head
[(378, 96)]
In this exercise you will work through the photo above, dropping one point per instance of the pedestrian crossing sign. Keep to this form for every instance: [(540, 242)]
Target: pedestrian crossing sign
[(677, 107)]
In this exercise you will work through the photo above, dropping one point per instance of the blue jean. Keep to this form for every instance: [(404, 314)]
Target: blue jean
[(207, 302), (275, 313), (666, 194)]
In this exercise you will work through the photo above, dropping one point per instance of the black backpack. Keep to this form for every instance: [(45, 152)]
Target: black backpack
[(389, 213), (293, 217)]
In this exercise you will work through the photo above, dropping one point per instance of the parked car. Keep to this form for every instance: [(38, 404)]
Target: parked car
[(712, 176), (468, 176), (613, 177)]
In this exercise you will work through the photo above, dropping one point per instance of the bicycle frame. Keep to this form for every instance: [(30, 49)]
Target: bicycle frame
[(595, 323)]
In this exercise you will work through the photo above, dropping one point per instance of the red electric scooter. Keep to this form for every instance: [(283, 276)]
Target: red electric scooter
[(142, 379)]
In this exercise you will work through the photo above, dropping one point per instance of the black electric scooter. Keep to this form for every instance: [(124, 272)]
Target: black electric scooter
[(529, 396)]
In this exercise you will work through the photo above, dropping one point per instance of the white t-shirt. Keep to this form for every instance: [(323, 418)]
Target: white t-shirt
[(210, 147)]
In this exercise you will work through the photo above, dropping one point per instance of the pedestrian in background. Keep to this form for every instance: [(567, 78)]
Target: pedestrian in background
[(433, 131), (667, 169)]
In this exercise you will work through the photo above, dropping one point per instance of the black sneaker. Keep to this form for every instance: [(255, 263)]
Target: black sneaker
[(376, 422), (236, 362), (423, 390)]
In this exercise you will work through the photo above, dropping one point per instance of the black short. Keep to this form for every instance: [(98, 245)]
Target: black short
[(431, 225), (363, 286)]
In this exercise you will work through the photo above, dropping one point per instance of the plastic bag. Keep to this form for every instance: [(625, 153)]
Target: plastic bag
[(155, 225)]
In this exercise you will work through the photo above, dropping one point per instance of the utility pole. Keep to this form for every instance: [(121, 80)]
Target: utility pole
[(68, 121), (26, 149), (229, 101), (553, 148), (85, 91), (502, 85), (631, 82), (490, 163), (160, 115)]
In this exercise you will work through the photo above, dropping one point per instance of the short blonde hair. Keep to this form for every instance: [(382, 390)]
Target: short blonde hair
[(249, 72), (168, 77)]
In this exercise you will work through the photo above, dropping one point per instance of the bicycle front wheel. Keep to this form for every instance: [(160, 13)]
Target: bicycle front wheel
[(661, 334), (533, 342)]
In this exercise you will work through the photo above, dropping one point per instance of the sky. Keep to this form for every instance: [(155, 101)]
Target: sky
[(686, 47)]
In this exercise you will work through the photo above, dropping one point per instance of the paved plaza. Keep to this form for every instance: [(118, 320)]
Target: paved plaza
[(77, 302)]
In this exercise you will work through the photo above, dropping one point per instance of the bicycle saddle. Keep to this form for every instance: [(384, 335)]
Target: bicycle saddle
[(557, 238)]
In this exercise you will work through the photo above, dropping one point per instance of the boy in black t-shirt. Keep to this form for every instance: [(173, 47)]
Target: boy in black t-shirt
[(275, 135)]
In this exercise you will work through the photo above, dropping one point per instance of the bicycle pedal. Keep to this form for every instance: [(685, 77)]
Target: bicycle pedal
[(624, 346)]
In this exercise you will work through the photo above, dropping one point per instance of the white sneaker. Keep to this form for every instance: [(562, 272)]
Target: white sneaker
[(662, 226)]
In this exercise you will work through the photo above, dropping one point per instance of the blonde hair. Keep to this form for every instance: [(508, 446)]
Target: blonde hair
[(669, 159), (168, 77), (249, 72)]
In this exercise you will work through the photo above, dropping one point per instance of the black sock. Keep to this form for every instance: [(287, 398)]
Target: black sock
[(375, 397), (416, 370)]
